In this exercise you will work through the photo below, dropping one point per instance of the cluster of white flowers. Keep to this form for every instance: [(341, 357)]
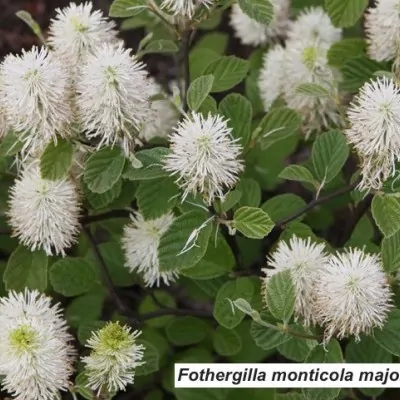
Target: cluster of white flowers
[(253, 33), (85, 78), (113, 358), (346, 293), (303, 60), (204, 156), (374, 131), (140, 243), (36, 355), (36, 96), (113, 97), (78, 31), (382, 27), (44, 214)]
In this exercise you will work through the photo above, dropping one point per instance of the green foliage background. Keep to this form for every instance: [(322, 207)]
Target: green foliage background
[(277, 197)]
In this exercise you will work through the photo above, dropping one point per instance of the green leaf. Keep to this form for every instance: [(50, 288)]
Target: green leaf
[(357, 71), (238, 111), (216, 41), (297, 348), (261, 11), (278, 124), (218, 260), (390, 248), (28, 19), (150, 358), (251, 190), (199, 90), (226, 342), (283, 205), (228, 71), (81, 387), (151, 161), (253, 222), (312, 90), (26, 269), (389, 336), (386, 212), (289, 396), (250, 352), (148, 305), (209, 106), (156, 197), (56, 160), (366, 351), (232, 290), (161, 46), (329, 153), (98, 201), (267, 338), (199, 60), (114, 259), (298, 173), (345, 13), (72, 276), (332, 353), (181, 235), (185, 331), (231, 199), (103, 169), (87, 307), (87, 328), (280, 295), (10, 145), (127, 8), (344, 50)]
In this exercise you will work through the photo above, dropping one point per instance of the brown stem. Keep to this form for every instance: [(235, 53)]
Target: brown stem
[(123, 309), (314, 203), (185, 49), (175, 311), (89, 219)]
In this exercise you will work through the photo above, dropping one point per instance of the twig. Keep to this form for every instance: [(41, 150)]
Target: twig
[(107, 278), (314, 203), (89, 219), (360, 210), (186, 37), (175, 311)]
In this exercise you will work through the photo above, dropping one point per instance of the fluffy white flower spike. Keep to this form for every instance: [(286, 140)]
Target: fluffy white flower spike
[(140, 243), (305, 63), (36, 355), (113, 97), (204, 156), (353, 295), (185, 7), (253, 33), (305, 260), (44, 214), (77, 31), (272, 76), (113, 358), (382, 26), (37, 98), (374, 131), (313, 24)]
